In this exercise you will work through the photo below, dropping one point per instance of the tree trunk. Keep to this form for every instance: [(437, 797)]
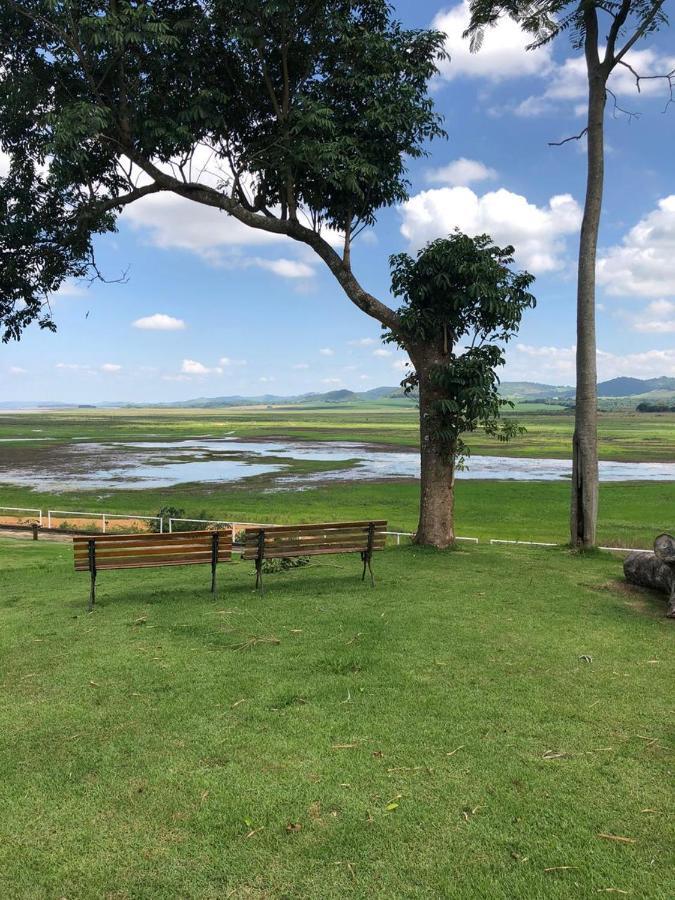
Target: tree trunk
[(436, 526), (584, 507)]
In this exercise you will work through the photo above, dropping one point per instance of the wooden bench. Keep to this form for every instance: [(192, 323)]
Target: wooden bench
[(93, 553), (287, 541)]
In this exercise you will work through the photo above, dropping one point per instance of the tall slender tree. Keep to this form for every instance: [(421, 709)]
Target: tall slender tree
[(618, 25)]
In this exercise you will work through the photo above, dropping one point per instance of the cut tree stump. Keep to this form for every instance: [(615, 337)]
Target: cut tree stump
[(655, 570)]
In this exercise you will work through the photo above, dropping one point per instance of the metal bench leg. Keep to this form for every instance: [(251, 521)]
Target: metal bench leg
[(258, 576), (370, 569), (91, 546), (364, 557)]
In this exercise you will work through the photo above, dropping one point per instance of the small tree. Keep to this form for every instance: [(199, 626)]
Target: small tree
[(461, 304)]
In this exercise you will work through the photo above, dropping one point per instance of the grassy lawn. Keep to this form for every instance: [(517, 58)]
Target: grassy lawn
[(439, 736), (631, 514)]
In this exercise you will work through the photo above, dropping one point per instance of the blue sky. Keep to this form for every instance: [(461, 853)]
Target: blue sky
[(210, 308)]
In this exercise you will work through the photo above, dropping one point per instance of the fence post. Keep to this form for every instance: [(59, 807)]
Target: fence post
[(40, 518), (35, 531), (103, 521)]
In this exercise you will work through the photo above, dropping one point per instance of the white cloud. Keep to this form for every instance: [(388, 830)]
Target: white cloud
[(69, 288), (266, 379), (460, 173), (644, 263), (382, 352), (502, 55), (363, 342), (557, 364), (327, 351), (331, 381), (4, 163), (658, 318), (226, 362), (402, 365), (300, 366), (192, 367), (74, 367), (568, 83), (159, 322), (111, 368), (17, 370), (286, 268), (537, 233)]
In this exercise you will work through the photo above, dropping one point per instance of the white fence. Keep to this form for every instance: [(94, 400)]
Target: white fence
[(105, 518), (12, 510)]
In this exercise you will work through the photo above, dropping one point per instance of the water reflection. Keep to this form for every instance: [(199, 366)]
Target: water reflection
[(161, 464)]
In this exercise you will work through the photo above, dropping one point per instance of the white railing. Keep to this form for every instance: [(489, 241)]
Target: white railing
[(237, 526), (21, 509), (104, 517), (399, 534), (233, 526)]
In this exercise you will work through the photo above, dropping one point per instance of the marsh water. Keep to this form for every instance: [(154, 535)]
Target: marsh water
[(88, 465)]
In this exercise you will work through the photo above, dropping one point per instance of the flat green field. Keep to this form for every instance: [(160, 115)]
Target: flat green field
[(489, 722), (624, 436), (631, 513)]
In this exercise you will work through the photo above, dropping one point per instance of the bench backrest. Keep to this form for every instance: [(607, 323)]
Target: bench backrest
[(281, 541), (134, 551)]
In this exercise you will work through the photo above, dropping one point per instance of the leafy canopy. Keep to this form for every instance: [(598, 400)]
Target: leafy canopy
[(307, 109), (461, 298)]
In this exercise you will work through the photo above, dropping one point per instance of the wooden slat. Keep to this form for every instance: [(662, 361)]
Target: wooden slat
[(150, 551), (148, 563), (167, 537), (335, 535), (336, 542), (279, 529), (284, 554)]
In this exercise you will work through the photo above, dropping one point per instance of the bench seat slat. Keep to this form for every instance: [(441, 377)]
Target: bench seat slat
[(317, 526), (112, 553), (314, 551), (140, 536), (312, 545), (335, 538), (143, 562)]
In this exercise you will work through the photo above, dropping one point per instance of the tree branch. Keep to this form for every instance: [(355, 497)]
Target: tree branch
[(640, 31), (574, 137), (208, 196)]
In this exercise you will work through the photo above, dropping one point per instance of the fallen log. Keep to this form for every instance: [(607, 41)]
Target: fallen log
[(655, 570)]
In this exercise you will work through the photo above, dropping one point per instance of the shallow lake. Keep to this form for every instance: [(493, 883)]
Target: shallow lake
[(159, 464)]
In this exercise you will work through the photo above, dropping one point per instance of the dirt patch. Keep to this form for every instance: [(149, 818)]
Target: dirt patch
[(642, 600)]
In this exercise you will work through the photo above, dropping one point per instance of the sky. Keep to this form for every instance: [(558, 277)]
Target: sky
[(210, 308)]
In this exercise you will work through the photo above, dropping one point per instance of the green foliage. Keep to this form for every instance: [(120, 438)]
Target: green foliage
[(305, 104), (163, 516), (462, 304), (546, 19), (277, 566)]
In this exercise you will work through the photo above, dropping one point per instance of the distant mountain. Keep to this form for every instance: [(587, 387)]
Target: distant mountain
[(615, 389), (533, 390), (631, 387)]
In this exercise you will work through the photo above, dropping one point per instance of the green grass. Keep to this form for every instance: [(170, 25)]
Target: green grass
[(631, 513), (624, 435), (161, 746)]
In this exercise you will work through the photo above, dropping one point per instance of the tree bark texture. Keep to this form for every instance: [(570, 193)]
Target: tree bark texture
[(655, 570), (436, 525), (584, 506)]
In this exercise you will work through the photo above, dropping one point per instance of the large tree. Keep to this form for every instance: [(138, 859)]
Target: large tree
[(295, 117), (606, 30)]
